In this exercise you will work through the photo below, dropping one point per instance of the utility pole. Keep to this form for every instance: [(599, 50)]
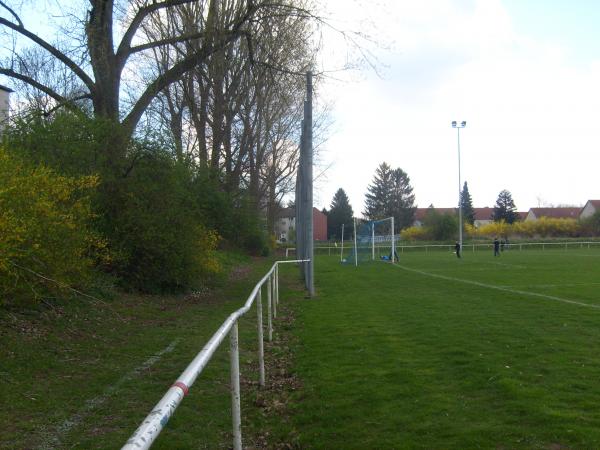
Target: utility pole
[(308, 138)]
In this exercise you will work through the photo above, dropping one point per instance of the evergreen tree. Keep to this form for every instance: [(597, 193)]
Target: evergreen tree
[(340, 212), (505, 208), (377, 198), (466, 203), (390, 194), (402, 200)]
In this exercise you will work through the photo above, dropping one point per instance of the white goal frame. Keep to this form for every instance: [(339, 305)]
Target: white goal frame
[(392, 237)]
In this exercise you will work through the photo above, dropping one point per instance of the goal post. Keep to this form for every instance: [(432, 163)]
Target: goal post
[(373, 240)]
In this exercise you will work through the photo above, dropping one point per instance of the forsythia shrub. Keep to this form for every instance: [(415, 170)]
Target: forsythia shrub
[(43, 229), (414, 234), (207, 256), (494, 229)]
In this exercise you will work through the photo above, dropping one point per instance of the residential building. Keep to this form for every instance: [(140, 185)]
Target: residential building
[(285, 225), (483, 216), (4, 106), (555, 213), (590, 208)]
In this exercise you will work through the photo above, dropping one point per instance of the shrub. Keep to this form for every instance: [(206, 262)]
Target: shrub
[(159, 227), (414, 234), (441, 227), (44, 230)]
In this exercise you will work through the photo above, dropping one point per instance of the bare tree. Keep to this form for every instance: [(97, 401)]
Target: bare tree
[(104, 61)]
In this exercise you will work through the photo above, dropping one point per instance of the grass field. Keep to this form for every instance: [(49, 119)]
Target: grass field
[(442, 353), (434, 353), (75, 374)]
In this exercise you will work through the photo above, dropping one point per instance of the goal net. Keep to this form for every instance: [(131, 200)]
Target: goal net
[(372, 241)]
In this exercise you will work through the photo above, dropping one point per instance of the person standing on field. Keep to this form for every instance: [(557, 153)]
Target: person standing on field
[(457, 248), (496, 247)]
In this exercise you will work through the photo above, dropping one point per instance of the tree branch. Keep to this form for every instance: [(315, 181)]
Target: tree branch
[(68, 103), (167, 41), (14, 14), (53, 50), (183, 66), (125, 49), (19, 76)]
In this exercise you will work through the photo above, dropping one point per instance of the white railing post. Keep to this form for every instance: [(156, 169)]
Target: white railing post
[(277, 285), (269, 309), (274, 294), (236, 414), (261, 345)]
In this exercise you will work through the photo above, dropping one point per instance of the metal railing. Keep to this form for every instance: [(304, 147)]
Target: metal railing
[(320, 250), (154, 423)]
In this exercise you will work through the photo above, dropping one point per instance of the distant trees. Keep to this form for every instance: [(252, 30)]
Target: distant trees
[(466, 204), (390, 194), (340, 212), (505, 208), (440, 227)]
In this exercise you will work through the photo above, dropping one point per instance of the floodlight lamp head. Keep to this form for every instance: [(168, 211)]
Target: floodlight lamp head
[(464, 123), (454, 124)]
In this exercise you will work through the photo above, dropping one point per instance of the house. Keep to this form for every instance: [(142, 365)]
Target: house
[(285, 225), (590, 208), (483, 216), (555, 213), (4, 105)]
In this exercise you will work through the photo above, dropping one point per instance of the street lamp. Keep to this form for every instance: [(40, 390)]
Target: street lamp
[(460, 237)]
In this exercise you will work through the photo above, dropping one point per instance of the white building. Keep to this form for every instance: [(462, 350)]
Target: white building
[(590, 208), (4, 106)]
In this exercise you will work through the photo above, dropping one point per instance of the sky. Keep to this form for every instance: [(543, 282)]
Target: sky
[(523, 74)]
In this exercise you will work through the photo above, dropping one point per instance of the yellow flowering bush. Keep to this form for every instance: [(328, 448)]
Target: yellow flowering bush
[(414, 234), (44, 232)]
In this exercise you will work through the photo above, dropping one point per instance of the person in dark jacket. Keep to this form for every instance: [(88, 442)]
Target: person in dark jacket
[(457, 248), (496, 247)]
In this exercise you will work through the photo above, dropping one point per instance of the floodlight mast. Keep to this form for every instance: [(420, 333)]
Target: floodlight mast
[(463, 124)]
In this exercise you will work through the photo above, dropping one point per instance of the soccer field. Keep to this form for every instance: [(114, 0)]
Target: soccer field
[(442, 353)]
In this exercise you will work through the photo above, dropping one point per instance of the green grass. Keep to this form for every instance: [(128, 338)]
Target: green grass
[(392, 358), (437, 353), (70, 374)]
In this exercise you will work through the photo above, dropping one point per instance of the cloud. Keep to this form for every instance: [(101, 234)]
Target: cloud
[(532, 113)]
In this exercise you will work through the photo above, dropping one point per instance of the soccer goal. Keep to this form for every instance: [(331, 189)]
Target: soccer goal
[(372, 241)]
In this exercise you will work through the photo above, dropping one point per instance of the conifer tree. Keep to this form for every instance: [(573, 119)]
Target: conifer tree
[(466, 203), (377, 198), (390, 194), (402, 200), (505, 208), (340, 212)]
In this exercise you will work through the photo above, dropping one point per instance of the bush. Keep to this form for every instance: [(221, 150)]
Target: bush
[(159, 228), (590, 226), (440, 227), (414, 234), (44, 230), (163, 219)]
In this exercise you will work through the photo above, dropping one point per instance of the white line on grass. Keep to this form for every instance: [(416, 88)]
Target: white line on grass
[(548, 285), (506, 265), (53, 439), (499, 288)]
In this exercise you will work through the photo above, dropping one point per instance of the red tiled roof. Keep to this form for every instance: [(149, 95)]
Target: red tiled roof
[(291, 212), (483, 213), (595, 203), (557, 213)]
